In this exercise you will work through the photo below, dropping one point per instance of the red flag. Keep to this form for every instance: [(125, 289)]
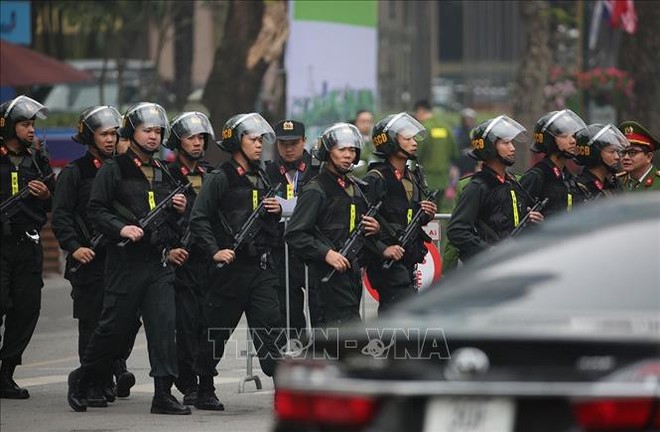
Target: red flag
[(622, 14)]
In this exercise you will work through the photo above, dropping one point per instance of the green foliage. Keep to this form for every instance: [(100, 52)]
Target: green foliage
[(335, 106)]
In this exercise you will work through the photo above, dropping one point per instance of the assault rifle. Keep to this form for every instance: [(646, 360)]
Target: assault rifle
[(157, 216), (353, 244), (94, 242), (252, 225), (412, 230), (10, 207), (538, 207)]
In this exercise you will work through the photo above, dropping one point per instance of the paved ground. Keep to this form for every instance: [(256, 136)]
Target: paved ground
[(52, 354)]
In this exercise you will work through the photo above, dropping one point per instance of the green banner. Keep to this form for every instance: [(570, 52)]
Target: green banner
[(362, 13)]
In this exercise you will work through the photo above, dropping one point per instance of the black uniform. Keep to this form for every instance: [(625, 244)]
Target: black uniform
[(21, 258), (401, 195), (190, 282), (487, 211), (547, 180), (328, 209), (73, 230), (248, 284), (592, 188), (137, 278), (294, 175)]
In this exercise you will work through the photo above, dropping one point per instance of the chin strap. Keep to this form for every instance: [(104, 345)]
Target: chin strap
[(143, 150)]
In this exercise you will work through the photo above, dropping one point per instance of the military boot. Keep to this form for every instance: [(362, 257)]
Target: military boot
[(78, 387), (164, 402), (95, 397), (8, 387), (206, 398), (125, 379)]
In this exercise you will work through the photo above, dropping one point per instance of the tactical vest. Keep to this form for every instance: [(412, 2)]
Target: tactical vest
[(86, 168), (138, 196), (503, 206), (559, 186), (341, 213), (182, 175), (592, 188), (398, 212), (12, 180), (238, 202)]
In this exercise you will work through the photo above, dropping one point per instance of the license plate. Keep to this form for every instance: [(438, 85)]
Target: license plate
[(469, 414)]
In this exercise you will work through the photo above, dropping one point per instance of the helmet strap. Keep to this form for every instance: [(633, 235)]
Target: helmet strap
[(148, 153), (188, 155)]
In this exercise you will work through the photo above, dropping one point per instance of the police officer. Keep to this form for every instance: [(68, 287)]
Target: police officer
[(493, 202), (639, 174), (554, 135), (247, 280), (328, 210), (396, 140), (598, 151), (97, 129), (140, 277), (294, 168), (191, 133), (21, 165), (438, 152)]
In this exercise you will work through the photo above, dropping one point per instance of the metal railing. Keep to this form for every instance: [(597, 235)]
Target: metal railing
[(250, 352)]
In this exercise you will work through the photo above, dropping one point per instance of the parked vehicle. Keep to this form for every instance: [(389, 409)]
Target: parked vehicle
[(557, 331)]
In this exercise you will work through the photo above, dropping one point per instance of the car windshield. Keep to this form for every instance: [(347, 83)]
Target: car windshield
[(614, 273)]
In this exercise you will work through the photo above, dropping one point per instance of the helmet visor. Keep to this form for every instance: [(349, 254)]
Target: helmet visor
[(192, 123), (103, 118), (507, 129), (564, 123), (343, 135), (405, 125), (25, 108), (255, 124), (609, 135), (148, 115)]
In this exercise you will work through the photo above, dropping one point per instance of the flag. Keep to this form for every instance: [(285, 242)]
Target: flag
[(622, 14)]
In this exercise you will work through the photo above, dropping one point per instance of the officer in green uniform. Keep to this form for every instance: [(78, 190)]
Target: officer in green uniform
[(191, 133), (493, 202), (243, 280), (140, 275), (598, 151), (21, 255), (293, 167), (329, 209), (639, 174), (438, 152), (402, 193), (97, 129)]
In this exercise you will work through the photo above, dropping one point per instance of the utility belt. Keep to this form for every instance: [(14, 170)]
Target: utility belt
[(264, 260)]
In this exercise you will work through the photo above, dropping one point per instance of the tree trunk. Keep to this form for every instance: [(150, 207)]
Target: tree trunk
[(639, 56), (183, 53), (528, 97), (232, 87)]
